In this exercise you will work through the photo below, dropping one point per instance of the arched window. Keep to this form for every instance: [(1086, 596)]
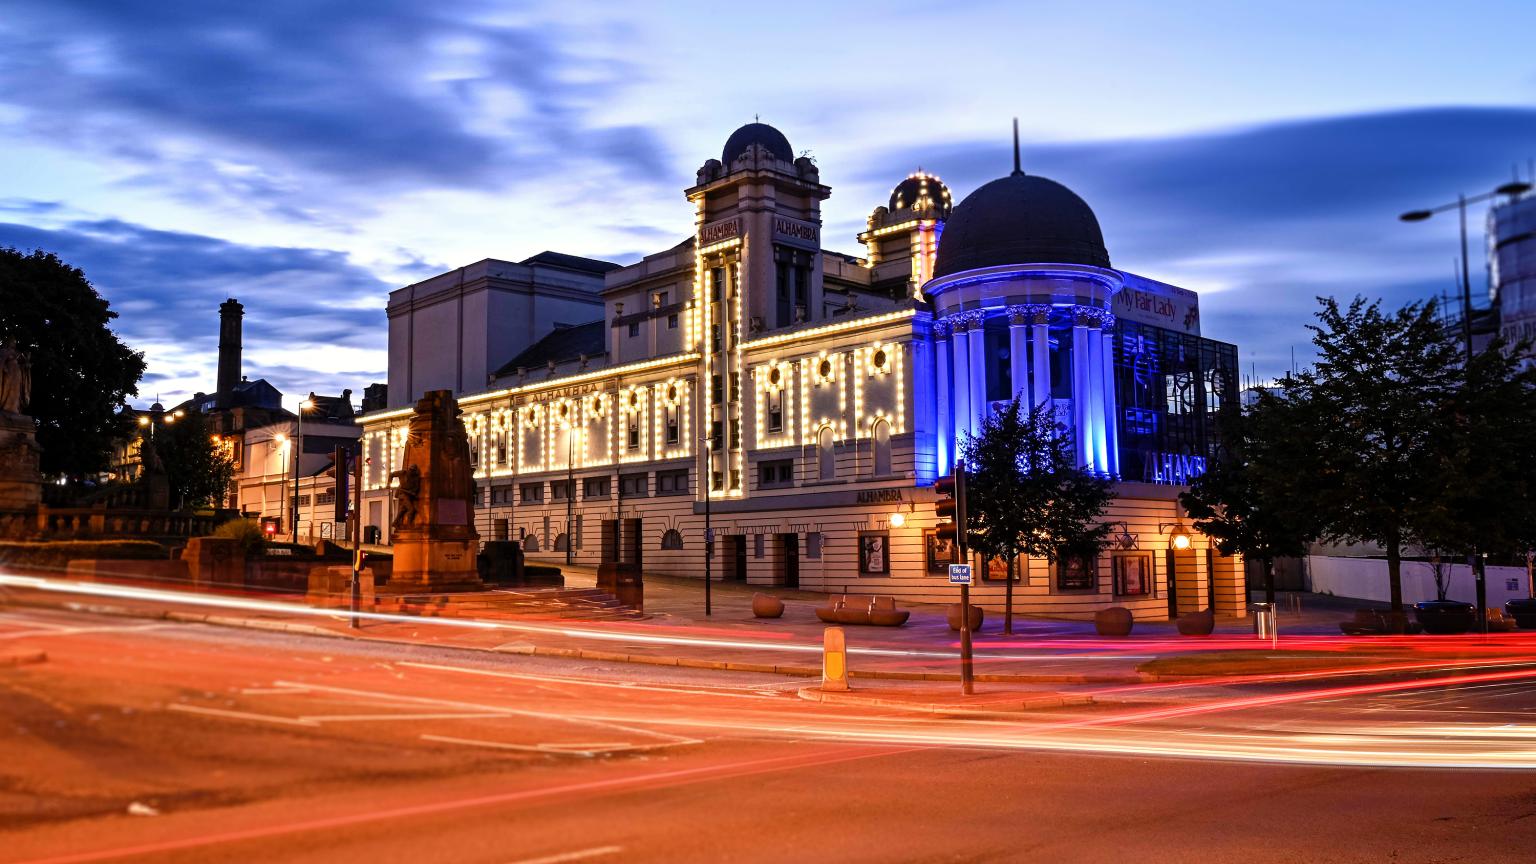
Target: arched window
[(561, 542), (671, 539), (531, 543), (882, 448), (826, 461)]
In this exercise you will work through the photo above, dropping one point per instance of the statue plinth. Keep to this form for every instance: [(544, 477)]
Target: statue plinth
[(433, 535), (21, 483)]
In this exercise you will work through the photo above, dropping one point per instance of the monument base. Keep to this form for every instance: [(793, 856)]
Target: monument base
[(425, 565), (21, 483)]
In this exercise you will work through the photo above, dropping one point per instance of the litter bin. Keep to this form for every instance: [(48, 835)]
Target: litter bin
[(1264, 620)]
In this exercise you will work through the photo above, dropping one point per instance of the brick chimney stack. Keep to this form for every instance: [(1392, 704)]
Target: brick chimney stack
[(230, 314)]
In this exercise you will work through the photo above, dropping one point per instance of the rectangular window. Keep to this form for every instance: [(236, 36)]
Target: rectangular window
[(716, 435), (560, 490), (672, 482), (778, 473), (874, 553), (715, 394), (633, 485), (775, 401), (501, 448), (715, 479), (633, 441), (735, 479), (1133, 574), (578, 532), (503, 494), (326, 497), (531, 493), (595, 487), (813, 543), (1076, 573), (716, 284), (672, 321), (673, 435), (634, 329), (659, 299)]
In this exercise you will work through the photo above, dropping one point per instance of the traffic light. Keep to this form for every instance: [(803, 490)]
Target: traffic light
[(951, 506)]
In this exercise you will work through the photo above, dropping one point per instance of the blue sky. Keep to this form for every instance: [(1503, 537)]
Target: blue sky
[(308, 157)]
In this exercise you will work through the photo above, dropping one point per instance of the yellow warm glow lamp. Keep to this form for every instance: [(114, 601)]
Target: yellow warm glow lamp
[(897, 520), (1179, 539), (143, 421), (306, 405)]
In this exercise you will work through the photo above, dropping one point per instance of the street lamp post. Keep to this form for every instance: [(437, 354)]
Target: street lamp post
[(1511, 189), (298, 453), (708, 482)]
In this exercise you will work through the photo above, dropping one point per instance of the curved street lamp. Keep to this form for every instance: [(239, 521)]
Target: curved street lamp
[(1511, 189)]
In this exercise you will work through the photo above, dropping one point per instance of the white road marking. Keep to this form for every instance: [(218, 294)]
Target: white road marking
[(578, 855), (74, 631), (752, 692), (498, 709), (353, 718), (240, 715), (588, 749)]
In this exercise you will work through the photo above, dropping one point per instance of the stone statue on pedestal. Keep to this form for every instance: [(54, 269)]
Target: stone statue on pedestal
[(21, 483), (433, 532), (15, 378)]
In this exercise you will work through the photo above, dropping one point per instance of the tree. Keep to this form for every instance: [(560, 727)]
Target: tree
[(1487, 452), (82, 374), (1256, 500), (197, 467), (1373, 409), (1026, 494)]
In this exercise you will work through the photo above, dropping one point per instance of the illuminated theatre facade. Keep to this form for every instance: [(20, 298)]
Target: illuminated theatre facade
[(822, 394)]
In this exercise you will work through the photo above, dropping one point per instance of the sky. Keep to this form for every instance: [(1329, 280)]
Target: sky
[(308, 157)]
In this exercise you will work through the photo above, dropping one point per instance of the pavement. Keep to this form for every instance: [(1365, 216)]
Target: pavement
[(144, 740)]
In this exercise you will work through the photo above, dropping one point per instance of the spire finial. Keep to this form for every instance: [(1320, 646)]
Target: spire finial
[(1016, 168)]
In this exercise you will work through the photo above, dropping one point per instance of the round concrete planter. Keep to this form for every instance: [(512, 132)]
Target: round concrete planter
[(1114, 621), (1197, 623), (978, 615), (767, 606), (1445, 617)]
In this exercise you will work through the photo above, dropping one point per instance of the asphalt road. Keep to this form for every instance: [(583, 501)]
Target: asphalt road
[(146, 741)]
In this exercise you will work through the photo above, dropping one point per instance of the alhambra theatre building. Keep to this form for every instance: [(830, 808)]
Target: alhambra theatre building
[(817, 395)]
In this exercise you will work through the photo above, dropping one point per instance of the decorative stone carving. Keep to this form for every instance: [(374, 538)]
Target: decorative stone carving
[(433, 535)]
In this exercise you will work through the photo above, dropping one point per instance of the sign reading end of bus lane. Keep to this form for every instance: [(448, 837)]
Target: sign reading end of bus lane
[(960, 574)]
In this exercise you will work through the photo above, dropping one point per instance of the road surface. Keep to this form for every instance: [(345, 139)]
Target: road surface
[(151, 741)]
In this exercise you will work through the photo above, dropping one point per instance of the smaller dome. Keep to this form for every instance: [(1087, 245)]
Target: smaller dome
[(760, 134), (922, 194)]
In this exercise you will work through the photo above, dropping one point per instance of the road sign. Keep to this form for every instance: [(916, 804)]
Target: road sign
[(960, 574)]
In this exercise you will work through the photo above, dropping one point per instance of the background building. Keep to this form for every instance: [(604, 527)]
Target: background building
[(806, 399)]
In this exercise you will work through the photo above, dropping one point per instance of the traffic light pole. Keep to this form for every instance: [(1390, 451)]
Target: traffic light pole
[(967, 661)]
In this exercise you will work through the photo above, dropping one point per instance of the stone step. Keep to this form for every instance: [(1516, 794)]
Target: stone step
[(561, 603)]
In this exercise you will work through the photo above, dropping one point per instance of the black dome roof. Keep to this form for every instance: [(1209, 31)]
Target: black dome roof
[(921, 192), (1020, 219), (756, 133)]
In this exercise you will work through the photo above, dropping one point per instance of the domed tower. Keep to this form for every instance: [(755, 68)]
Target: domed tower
[(757, 268), (1022, 293), (903, 237)]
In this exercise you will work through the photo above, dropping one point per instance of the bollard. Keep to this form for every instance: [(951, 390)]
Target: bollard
[(834, 660), (1264, 623)]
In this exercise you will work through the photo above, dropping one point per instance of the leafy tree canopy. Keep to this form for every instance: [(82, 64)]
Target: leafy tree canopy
[(1025, 492), (82, 374), (197, 467)]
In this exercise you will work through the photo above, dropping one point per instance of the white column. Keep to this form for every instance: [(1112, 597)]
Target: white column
[(1039, 334), (962, 381), (1082, 437), (1111, 406), (1018, 352), (944, 410), (978, 370)]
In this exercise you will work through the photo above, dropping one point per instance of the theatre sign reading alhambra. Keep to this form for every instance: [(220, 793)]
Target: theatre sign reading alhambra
[(818, 395)]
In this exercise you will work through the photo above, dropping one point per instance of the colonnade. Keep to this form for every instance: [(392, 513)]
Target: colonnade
[(962, 377)]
